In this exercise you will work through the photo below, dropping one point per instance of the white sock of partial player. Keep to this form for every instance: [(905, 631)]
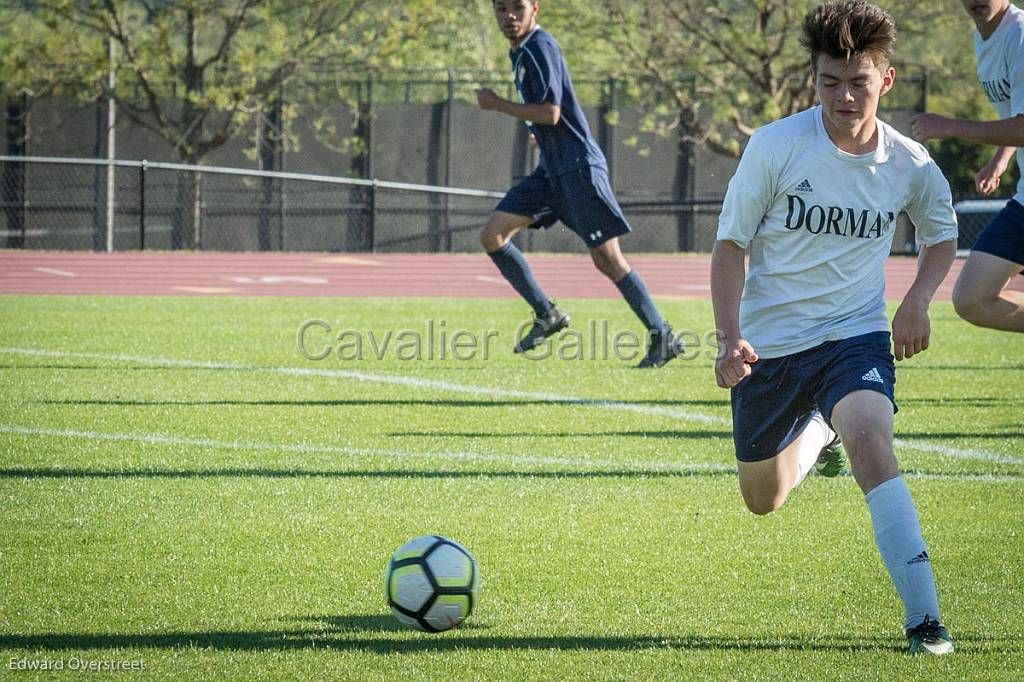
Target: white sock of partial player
[(898, 536), (815, 436)]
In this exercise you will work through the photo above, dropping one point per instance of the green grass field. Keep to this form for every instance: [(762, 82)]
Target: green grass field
[(172, 493)]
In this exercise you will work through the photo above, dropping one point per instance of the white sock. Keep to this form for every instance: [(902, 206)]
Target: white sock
[(815, 436), (898, 536)]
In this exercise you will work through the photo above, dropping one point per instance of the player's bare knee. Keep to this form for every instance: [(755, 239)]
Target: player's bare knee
[(868, 447), (762, 505), (616, 272), (968, 304), (611, 267), (762, 500), (608, 270), (491, 239)]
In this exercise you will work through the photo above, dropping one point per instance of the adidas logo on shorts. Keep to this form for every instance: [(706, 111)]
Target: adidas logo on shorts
[(919, 559), (873, 375), (804, 186)]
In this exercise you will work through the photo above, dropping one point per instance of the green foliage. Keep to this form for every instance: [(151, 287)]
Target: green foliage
[(730, 67), (960, 161), (41, 56), (197, 72)]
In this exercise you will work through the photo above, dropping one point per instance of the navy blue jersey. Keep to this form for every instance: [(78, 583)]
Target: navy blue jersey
[(542, 76)]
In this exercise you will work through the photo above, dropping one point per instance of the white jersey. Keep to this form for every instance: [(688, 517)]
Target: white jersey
[(818, 225), (1001, 72)]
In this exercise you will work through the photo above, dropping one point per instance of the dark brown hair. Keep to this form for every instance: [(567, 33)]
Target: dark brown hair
[(843, 29)]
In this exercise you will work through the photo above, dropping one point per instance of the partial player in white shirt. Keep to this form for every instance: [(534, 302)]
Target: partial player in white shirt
[(981, 295), (813, 206)]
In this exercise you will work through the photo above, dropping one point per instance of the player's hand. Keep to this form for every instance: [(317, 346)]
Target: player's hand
[(487, 99), (987, 179), (929, 126), (911, 329), (733, 364)]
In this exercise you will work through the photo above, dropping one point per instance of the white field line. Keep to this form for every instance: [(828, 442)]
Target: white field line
[(959, 453), (54, 271), (413, 382), (490, 280), (395, 379), (582, 465), (153, 439), (980, 478)]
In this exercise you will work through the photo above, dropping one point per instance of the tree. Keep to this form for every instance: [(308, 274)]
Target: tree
[(196, 72), (205, 67), (720, 70)]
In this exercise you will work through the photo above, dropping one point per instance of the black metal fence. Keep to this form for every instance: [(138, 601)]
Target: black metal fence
[(55, 203), (412, 129)]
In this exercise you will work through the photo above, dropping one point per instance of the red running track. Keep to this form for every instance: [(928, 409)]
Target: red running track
[(313, 274)]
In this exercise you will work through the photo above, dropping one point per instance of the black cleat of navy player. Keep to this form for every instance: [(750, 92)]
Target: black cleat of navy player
[(664, 346), (548, 324)]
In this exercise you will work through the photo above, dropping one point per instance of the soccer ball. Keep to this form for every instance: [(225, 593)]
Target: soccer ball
[(431, 583)]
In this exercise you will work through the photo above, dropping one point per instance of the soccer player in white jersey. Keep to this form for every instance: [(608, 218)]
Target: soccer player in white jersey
[(981, 296), (804, 333)]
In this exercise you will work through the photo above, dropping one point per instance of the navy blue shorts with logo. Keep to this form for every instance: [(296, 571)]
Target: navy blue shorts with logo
[(582, 199), (1004, 235), (772, 406)]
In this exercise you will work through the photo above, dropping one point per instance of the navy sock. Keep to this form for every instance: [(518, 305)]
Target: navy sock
[(635, 292), (514, 268)]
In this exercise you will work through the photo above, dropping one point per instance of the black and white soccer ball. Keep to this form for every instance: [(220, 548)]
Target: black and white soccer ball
[(431, 583)]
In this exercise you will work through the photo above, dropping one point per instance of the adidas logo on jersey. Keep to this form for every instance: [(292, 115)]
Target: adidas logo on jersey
[(873, 375), (919, 559), (804, 186)]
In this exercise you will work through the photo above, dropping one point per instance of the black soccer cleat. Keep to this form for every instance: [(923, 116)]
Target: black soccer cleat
[(664, 345), (548, 324), (930, 637)]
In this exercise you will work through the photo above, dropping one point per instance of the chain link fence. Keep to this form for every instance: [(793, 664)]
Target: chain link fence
[(55, 203), (419, 130)]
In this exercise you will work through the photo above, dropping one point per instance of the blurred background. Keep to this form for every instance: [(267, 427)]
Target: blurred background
[(351, 125)]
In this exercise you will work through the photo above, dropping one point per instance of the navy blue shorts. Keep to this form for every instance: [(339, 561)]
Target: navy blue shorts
[(772, 406), (1004, 235), (582, 199)]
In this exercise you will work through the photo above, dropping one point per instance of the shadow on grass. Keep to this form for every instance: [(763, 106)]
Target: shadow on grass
[(969, 401), (359, 402), (573, 434), (709, 470), (469, 367), (1013, 476), (961, 368), (124, 368), (941, 435), (381, 634), (58, 473)]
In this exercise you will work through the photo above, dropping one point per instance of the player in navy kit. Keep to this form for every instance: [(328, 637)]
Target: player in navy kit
[(570, 184), (981, 296)]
